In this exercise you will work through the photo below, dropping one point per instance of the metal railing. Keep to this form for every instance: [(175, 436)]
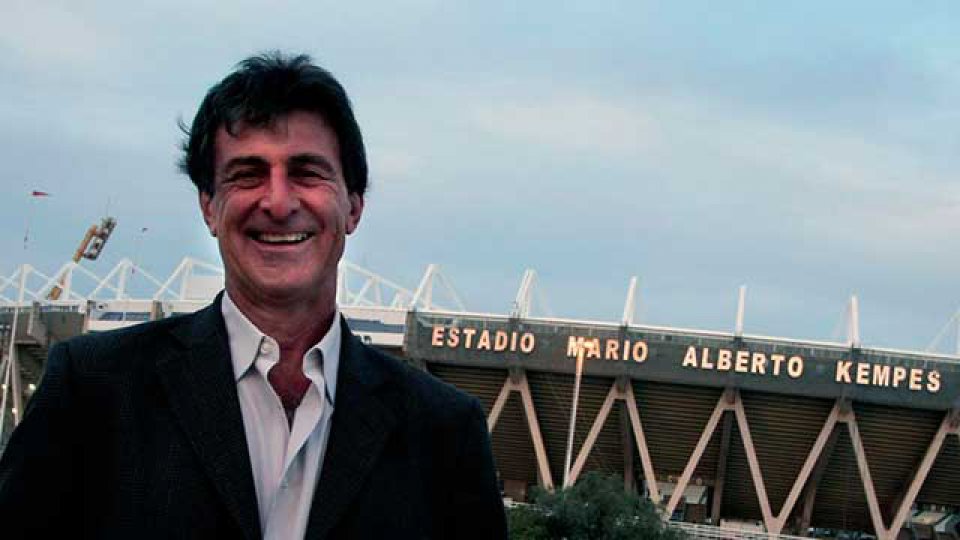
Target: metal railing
[(710, 532)]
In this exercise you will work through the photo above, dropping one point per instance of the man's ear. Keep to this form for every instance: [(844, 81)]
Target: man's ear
[(209, 215), (356, 210)]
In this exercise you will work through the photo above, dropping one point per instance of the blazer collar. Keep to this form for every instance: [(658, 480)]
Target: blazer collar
[(363, 418), (202, 392)]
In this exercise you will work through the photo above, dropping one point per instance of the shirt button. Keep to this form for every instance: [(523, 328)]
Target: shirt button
[(266, 347)]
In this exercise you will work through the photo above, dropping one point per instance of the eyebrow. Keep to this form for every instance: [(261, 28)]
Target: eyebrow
[(245, 161), (312, 159)]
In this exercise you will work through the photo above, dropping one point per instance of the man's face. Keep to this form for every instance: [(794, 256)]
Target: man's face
[(280, 209)]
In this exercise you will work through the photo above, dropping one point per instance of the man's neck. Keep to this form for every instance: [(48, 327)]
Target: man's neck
[(295, 325)]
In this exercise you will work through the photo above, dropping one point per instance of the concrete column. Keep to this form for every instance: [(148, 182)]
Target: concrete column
[(156, 310), (627, 445), (721, 469)]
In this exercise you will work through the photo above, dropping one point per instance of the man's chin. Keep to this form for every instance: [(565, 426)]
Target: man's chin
[(269, 292), (291, 292)]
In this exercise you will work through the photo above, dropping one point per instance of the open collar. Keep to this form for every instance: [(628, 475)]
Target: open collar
[(245, 341)]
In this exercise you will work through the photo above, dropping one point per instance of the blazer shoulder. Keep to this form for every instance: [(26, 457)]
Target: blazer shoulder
[(107, 351)]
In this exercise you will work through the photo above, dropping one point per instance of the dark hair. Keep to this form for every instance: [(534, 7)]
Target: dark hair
[(262, 89)]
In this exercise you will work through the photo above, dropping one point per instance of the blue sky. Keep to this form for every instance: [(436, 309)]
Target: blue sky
[(808, 151)]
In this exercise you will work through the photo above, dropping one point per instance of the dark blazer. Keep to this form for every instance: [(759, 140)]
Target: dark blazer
[(137, 433)]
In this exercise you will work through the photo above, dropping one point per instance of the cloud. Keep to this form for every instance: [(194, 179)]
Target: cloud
[(390, 163), (45, 35), (574, 122), (821, 162)]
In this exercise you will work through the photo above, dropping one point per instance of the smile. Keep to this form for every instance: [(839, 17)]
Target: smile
[(281, 238)]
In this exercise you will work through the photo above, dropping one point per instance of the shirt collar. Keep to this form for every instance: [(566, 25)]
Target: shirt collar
[(244, 339)]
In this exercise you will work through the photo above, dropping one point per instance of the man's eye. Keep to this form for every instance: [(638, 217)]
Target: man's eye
[(243, 178), (311, 175)]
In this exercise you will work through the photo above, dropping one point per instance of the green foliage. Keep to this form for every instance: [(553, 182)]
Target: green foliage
[(526, 523), (595, 508)]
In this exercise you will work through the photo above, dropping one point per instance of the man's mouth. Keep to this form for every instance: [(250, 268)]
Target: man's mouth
[(280, 238)]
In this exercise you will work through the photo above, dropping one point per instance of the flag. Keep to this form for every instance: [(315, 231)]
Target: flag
[(36, 193)]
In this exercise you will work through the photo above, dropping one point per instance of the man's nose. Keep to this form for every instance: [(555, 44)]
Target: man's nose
[(280, 199)]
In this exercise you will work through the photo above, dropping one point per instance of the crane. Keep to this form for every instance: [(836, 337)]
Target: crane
[(90, 248)]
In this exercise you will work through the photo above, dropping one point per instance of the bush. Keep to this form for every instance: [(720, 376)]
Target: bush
[(595, 508)]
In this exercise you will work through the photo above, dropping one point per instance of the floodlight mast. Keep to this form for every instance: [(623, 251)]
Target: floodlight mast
[(581, 351), (90, 248)]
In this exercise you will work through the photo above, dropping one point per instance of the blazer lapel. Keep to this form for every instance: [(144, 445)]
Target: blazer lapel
[(202, 392), (362, 421)]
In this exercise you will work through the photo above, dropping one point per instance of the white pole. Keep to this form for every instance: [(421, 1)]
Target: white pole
[(854, 333), (741, 303), (521, 306), (3, 401), (573, 415), (424, 289), (11, 357), (12, 367), (629, 307), (14, 361), (185, 280)]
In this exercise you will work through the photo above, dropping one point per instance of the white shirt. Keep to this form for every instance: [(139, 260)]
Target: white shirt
[(286, 462)]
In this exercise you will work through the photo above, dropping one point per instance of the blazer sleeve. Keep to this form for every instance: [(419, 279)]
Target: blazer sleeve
[(476, 509), (38, 472)]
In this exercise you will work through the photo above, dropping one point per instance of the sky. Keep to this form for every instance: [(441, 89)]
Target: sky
[(809, 151)]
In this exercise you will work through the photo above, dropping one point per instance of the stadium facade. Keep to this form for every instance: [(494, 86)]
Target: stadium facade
[(714, 427)]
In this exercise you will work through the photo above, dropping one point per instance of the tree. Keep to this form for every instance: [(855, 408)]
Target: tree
[(595, 508)]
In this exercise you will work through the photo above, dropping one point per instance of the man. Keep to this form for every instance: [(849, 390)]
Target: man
[(260, 415)]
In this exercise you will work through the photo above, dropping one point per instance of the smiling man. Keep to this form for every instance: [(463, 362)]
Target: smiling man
[(261, 416)]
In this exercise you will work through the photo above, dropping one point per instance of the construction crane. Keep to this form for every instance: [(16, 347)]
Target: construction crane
[(90, 248)]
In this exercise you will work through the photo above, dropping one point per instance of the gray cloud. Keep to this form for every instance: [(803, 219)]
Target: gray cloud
[(696, 147)]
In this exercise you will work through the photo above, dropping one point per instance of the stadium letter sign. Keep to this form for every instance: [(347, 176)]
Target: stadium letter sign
[(482, 339), (692, 358), (607, 349), (883, 375), (743, 361)]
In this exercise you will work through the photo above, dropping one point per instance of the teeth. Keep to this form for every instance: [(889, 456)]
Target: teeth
[(288, 238)]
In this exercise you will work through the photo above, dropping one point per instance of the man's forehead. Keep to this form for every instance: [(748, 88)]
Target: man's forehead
[(298, 127)]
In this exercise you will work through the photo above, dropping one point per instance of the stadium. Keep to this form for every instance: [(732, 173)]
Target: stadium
[(718, 428)]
